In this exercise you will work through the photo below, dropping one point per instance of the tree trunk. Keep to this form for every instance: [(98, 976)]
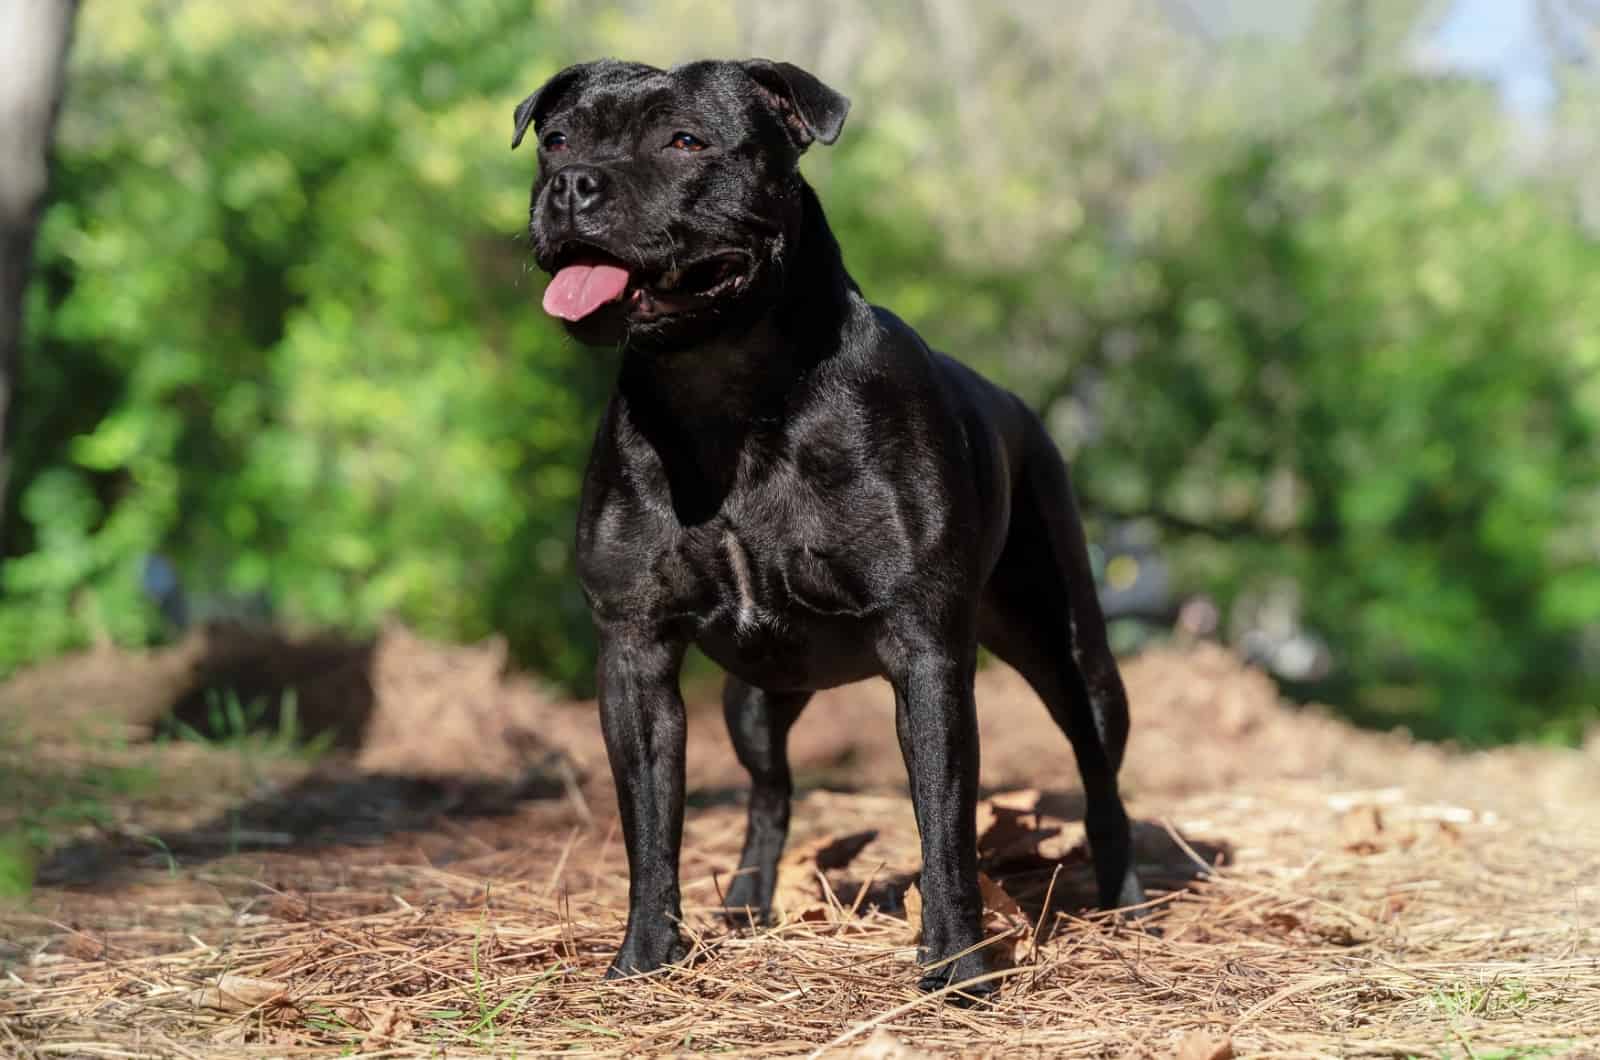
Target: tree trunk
[(34, 35)]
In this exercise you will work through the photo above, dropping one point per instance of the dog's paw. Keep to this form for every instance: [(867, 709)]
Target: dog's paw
[(1124, 898), (957, 972), (1139, 921), (641, 957), (1131, 894), (743, 906), (1130, 905), (745, 917), (1134, 913)]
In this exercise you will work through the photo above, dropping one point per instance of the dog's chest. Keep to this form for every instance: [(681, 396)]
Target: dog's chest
[(783, 586), (775, 597), (764, 576)]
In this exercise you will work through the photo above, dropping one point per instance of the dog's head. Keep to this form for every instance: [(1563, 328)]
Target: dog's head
[(666, 199)]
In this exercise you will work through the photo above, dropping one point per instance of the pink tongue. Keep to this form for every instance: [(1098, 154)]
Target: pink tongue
[(578, 290)]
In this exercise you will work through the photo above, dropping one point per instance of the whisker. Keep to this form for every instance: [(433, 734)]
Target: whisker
[(672, 249)]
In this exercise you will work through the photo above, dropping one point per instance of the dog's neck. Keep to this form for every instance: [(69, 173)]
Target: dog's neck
[(697, 407)]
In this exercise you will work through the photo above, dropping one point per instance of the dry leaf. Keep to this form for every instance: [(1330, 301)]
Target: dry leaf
[(236, 993), (1020, 800), (1361, 830), (1008, 825), (1287, 923), (1002, 916), (389, 1026), (913, 902), (798, 893), (996, 902), (1203, 1045), (1365, 830), (883, 1045)]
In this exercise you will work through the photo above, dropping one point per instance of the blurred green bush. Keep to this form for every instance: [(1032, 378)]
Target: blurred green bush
[(284, 330)]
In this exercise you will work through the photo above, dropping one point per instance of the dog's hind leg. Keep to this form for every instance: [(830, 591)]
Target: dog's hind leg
[(759, 723), (1040, 614)]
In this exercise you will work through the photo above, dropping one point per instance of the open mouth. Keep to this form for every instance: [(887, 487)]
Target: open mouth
[(587, 279)]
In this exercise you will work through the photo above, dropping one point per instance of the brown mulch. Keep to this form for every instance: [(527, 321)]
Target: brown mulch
[(399, 703), (1319, 891)]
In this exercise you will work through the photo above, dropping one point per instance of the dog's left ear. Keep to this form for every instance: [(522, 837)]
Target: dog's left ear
[(810, 110), (544, 98)]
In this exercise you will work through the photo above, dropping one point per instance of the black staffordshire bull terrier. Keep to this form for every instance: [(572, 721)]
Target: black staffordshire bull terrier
[(790, 478)]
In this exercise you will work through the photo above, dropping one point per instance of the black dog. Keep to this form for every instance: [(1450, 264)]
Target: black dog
[(790, 478)]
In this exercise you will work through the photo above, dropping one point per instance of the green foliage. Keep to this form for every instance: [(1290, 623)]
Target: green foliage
[(1384, 390), (284, 330), (253, 728), (16, 866)]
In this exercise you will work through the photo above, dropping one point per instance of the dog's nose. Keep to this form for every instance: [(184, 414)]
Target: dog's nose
[(577, 189)]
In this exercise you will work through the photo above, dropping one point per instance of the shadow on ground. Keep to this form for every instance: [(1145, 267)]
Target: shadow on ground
[(116, 760), (1031, 843), (325, 809)]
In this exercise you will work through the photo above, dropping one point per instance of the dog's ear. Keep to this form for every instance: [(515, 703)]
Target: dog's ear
[(536, 106), (810, 110)]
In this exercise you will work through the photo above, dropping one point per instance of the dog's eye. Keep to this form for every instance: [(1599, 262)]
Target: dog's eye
[(555, 141), (683, 141)]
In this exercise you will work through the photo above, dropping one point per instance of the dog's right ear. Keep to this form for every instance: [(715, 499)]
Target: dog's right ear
[(536, 106)]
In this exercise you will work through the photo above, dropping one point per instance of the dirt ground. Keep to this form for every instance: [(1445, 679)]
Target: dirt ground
[(448, 876)]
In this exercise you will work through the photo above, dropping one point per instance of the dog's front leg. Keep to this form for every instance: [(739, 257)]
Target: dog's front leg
[(641, 714), (937, 722)]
